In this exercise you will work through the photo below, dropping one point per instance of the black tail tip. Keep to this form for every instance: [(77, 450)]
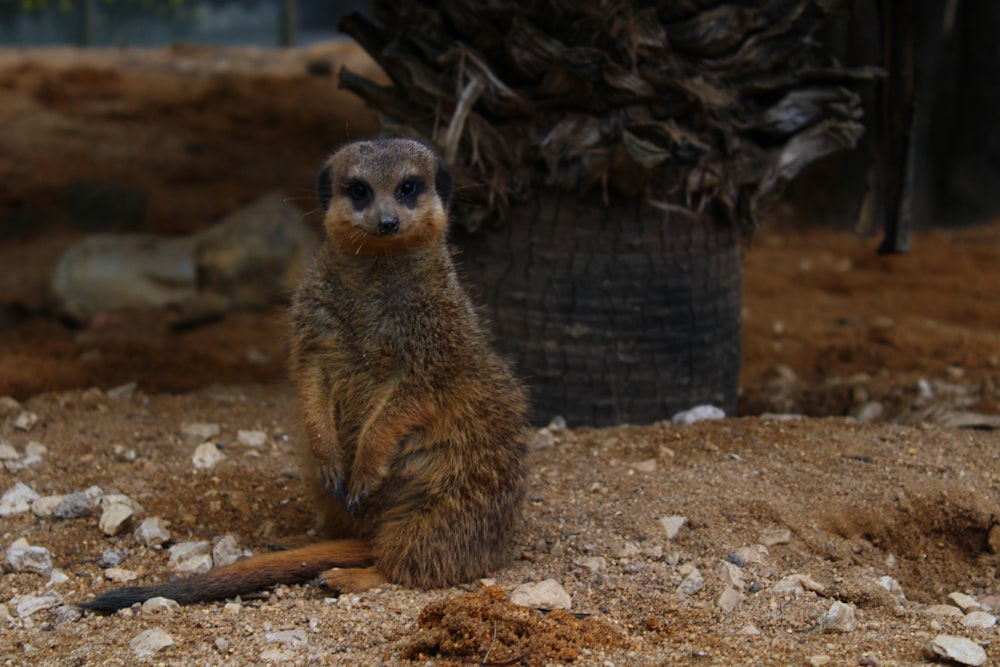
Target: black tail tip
[(118, 598)]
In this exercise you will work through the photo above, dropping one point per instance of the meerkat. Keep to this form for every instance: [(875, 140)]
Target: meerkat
[(415, 426)]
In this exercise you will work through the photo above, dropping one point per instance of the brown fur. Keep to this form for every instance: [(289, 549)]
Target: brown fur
[(415, 426)]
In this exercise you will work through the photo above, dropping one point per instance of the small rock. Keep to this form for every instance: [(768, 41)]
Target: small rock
[(197, 433), (647, 466), (159, 605), (34, 452), (728, 599), (924, 389), (124, 392), (819, 660), (673, 524), (9, 406), (942, 610), (152, 533), (276, 655), (45, 506), (840, 617), (191, 557), (750, 630), (111, 558), (288, 637), (692, 583), (67, 613), (731, 575), (26, 605), (120, 575), (73, 506), (869, 412), (57, 578), (956, 649), (115, 499), (751, 555), (26, 421), (226, 550), (8, 452), (233, 607), (114, 518), (773, 536), (993, 539), (697, 414), (628, 550), (17, 499), (541, 439), (595, 563), (558, 423), (206, 455), (893, 586), (990, 602), (24, 558), (978, 619), (547, 594), (149, 642), (964, 602), (251, 438)]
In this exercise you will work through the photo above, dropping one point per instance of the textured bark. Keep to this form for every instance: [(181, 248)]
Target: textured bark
[(618, 313)]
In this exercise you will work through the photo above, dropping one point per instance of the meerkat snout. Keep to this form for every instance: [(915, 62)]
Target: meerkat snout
[(388, 226)]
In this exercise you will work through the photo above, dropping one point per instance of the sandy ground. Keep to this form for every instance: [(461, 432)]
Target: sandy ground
[(876, 501)]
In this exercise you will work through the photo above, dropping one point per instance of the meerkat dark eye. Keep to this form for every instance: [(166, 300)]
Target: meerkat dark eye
[(408, 190), (358, 191)]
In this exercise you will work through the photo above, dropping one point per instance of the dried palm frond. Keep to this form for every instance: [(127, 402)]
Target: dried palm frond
[(698, 102)]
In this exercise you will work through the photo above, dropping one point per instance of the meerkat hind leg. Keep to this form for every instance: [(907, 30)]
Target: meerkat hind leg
[(352, 579)]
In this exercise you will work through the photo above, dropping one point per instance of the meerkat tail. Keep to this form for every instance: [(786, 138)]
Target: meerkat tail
[(245, 576)]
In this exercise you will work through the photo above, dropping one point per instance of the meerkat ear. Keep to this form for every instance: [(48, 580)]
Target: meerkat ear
[(443, 183), (324, 187)]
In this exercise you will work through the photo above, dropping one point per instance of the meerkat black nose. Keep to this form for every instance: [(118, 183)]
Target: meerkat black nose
[(388, 226)]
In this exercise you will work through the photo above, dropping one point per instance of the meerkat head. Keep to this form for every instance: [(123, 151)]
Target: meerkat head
[(384, 196)]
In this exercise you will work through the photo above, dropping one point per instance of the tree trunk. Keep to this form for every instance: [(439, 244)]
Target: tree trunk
[(612, 314)]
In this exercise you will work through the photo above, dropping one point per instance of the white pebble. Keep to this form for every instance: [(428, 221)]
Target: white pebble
[(840, 617), (17, 499), (45, 506), (251, 438), (942, 610), (57, 578), (692, 583), (964, 602), (26, 605), (8, 452), (978, 619), (226, 550), (120, 575), (956, 649), (288, 637), (547, 594), (152, 533), (26, 421), (159, 605), (199, 432), (206, 455), (774, 536), (34, 452), (117, 499), (114, 518), (728, 599), (697, 414), (673, 525), (595, 563), (191, 557), (149, 642), (24, 558)]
